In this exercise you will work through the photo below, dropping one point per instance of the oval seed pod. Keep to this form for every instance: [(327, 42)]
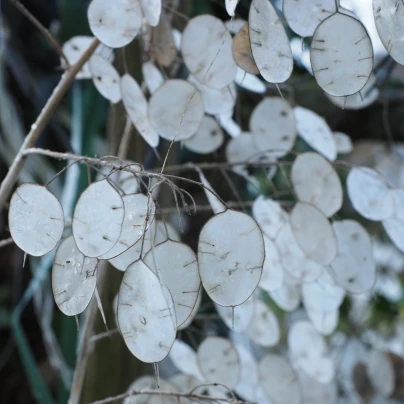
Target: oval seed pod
[(115, 24), (36, 219), (242, 54), (184, 359), (231, 7), (272, 272), (74, 278), (269, 42), (287, 297), (250, 82), (163, 49), (324, 322), (152, 76), (381, 372), (394, 225), (206, 50), (151, 11), (97, 219), (343, 142), (230, 256), (146, 314), (341, 64), (194, 312)]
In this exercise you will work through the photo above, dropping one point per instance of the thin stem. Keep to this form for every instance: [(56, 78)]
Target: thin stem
[(125, 140)]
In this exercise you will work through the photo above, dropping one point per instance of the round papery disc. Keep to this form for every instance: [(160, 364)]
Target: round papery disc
[(126, 182), (227, 123), (215, 203), (314, 392), (249, 82), (279, 136), (343, 143), (234, 25), (163, 50), (115, 24), (146, 315), (151, 11), (269, 42), (369, 193), (341, 64), (394, 225), (165, 231), (304, 16), (237, 318), (242, 54), (316, 132), (353, 268), (219, 362), (137, 208), (194, 312), (177, 266), (272, 272), (152, 77), (313, 233), (184, 359), (230, 256), (389, 20), (264, 328), (381, 372), (176, 110), (287, 297), (136, 107), (184, 384), (36, 219), (231, 6), (73, 278), (278, 380), (315, 181), (97, 219), (206, 50), (324, 322), (208, 138)]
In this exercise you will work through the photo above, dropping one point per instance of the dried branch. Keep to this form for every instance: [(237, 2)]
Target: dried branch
[(43, 118)]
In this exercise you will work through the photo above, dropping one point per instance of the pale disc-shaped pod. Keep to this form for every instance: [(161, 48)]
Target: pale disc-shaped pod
[(215, 203), (184, 359), (115, 24), (206, 50), (36, 219), (146, 315), (279, 137), (207, 139), (315, 181), (105, 78), (269, 42), (313, 233), (176, 110), (238, 318), (97, 219), (264, 329), (279, 380), (324, 322), (152, 76), (394, 225), (272, 272), (231, 6), (353, 268), (369, 193), (194, 312), (314, 392), (136, 107), (151, 11), (234, 25), (73, 278), (177, 268), (227, 123), (230, 256), (287, 297), (381, 372), (184, 384), (137, 207), (304, 16), (342, 64), (163, 49), (343, 143), (270, 216), (250, 82), (216, 101), (242, 54), (164, 231), (219, 362), (389, 20), (316, 132)]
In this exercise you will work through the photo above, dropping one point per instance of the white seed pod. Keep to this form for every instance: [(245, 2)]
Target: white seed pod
[(394, 225), (165, 231), (176, 110), (219, 362), (151, 11), (97, 219), (279, 137), (137, 207), (278, 380), (230, 256), (287, 297), (176, 266), (381, 372), (215, 203), (125, 181), (304, 16), (237, 318), (36, 219), (324, 322), (105, 78), (152, 77), (313, 233), (269, 42), (231, 7), (194, 312), (234, 25), (241, 49), (206, 50), (315, 181), (353, 268), (269, 215), (249, 82), (369, 193), (341, 64), (73, 278), (162, 47), (216, 101), (227, 122), (343, 143), (272, 272), (136, 107), (115, 24), (316, 132), (146, 314), (184, 384), (314, 392), (264, 328), (184, 359), (207, 139), (389, 20)]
